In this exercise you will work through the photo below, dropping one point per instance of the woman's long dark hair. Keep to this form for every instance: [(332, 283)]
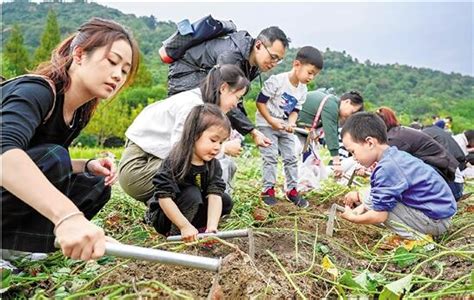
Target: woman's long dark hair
[(230, 74), (355, 97), (199, 120), (93, 34)]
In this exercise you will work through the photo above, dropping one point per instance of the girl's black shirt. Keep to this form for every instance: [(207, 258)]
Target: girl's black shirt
[(208, 178), (26, 102)]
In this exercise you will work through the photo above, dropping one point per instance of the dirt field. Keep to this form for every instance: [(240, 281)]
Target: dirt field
[(293, 257)]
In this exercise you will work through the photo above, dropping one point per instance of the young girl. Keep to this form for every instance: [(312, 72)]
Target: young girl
[(44, 193), (160, 125), (189, 191)]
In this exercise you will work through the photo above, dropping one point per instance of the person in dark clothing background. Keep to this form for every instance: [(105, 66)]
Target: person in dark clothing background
[(446, 139), (251, 55), (422, 146)]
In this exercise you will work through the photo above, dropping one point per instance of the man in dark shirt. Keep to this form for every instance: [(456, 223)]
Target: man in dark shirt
[(239, 48)]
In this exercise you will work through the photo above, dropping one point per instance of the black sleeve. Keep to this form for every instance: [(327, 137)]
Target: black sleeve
[(216, 183), (165, 185), (229, 57), (25, 104), (239, 120)]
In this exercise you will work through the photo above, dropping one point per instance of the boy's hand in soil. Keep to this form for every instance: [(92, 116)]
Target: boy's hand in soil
[(348, 214), (352, 199), (189, 233)]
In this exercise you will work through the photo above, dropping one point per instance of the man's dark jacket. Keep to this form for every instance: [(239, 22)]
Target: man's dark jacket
[(188, 72)]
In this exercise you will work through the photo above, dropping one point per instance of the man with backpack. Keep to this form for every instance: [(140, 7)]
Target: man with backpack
[(239, 48)]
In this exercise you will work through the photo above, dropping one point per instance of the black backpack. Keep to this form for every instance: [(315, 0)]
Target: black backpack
[(189, 35)]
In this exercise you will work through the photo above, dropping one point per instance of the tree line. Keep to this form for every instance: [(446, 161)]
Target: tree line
[(412, 92)]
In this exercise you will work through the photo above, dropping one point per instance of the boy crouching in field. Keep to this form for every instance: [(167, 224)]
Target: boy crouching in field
[(403, 189)]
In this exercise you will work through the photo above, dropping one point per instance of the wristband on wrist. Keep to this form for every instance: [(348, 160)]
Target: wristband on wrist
[(86, 170), (68, 216)]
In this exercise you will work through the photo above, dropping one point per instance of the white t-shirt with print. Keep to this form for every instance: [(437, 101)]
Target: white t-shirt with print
[(284, 97)]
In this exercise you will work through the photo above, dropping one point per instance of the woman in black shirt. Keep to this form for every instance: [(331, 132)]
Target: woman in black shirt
[(422, 146), (44, 194)]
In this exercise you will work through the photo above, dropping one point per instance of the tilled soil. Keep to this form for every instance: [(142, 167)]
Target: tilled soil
[(240, 277)]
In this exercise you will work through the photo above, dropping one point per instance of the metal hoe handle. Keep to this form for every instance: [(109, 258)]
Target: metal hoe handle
[(160, 256), (220, 234)]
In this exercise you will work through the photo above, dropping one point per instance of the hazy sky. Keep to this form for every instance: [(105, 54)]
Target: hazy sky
[(437, 35)]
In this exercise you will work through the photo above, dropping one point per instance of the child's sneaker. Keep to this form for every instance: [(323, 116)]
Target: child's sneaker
[(293, 196), (268, 197)]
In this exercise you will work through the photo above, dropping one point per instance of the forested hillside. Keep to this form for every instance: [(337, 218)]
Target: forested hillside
[(418, 92)]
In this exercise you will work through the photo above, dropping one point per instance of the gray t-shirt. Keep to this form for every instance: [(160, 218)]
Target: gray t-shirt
[(283, 97)]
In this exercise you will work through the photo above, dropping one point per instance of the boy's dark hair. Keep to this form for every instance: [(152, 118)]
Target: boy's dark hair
[(470, 137), (230, 74), (364, 124), (310, 55), (355, 97), (269, 35), (199, 119)]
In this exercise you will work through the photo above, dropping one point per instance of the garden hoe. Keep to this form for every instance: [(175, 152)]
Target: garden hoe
[(160, 256), (332, 216)]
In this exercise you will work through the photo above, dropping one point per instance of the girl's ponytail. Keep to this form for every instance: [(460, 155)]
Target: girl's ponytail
[(218, 75)]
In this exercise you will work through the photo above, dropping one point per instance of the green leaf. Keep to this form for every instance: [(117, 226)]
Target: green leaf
[(362, 280), (61, 292), (322, 248), (347, 280), (404, 258), (6, 279), (369, 281), (374, 280), (395, 289)]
